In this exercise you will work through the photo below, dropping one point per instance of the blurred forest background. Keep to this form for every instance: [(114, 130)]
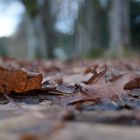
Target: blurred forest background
[(65, 29)]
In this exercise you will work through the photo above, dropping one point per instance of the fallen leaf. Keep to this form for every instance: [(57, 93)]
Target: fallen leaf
[(18, 81), (100, 90), (34, 82), (133, 84)]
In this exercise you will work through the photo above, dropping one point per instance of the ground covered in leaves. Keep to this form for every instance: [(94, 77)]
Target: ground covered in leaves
[(75, 99)]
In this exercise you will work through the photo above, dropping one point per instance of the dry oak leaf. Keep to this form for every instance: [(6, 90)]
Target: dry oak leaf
[(98, 89), (19, 81), (133, 84), (108, 89)]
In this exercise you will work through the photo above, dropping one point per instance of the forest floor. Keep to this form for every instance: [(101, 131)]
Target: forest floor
[(74, 100)]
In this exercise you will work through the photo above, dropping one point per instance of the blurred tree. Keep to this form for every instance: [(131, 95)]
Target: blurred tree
[(31, 7), (119, 27), (48, 22), (89, 27), (90, 30), (41, 32), (31, 30), (3, 49), (135, 23)]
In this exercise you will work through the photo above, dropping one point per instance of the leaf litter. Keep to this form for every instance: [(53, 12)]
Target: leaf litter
[(75, 87)]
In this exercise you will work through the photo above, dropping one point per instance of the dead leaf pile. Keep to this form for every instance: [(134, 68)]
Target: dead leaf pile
[(73, 83), (96, 84), (44, 96)]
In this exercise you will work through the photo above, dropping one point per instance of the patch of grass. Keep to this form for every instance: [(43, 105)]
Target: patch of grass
[(96, 53), (105, 53), (124, 53)]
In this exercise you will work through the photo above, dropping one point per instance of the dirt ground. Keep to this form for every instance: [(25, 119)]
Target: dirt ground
[(50, 122)]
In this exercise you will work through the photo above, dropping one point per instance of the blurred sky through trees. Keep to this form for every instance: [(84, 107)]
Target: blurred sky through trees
[(10, 16), (66, 28)]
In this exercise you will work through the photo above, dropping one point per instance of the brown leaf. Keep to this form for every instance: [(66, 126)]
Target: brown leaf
[(28, 137), (133, 84), (100, 91), (96, 76), (34, 82), (91, 69), (15, 81), (18, 81)]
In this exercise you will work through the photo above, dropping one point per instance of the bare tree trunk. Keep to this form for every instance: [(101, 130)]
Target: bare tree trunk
[(30, 37), (41, 38), (48, 21), (36, 40), (119, 27), (41, 30), (87, 30)]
